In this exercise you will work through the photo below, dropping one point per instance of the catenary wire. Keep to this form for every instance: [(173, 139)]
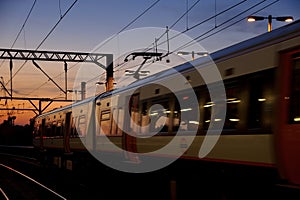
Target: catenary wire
[(121, 65), (22, 27), (130, 23), (197, 39), (23, 24), (227, 22), (124, 28), (20, 68), (202, 22)]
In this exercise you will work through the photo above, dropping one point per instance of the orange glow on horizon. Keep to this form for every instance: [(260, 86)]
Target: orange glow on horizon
[(23, 117)]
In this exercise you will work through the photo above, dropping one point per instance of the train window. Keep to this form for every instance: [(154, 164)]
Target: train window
[(48, 130), (37, 130), (232, 112), (53, 128), (58, 128), (105, 123), (294, 114), (186, 117), (145, 118), (233, 101), (260, 100), (73, 132), (256, 101), (160, 116), (134, 113), (177, 123), (114, 126), (206, 109), (120, 121), (81, 128)]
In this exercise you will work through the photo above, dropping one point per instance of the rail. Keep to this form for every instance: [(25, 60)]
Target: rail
[(31, 180)]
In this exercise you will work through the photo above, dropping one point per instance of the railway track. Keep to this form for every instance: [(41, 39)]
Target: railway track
[(17, 185), (23, 177)]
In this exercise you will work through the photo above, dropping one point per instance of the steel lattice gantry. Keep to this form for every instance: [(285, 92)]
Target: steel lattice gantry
[(20, 54), (104, 61)]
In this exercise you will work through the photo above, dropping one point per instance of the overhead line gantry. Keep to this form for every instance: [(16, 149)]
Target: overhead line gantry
[(105, 61)]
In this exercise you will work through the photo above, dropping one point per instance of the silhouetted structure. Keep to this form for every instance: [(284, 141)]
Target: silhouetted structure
[(15, 135)]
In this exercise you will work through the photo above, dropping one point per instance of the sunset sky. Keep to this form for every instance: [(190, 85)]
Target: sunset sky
[(90, 22)]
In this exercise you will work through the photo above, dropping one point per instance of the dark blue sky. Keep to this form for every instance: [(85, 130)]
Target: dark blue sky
[(91, 21)]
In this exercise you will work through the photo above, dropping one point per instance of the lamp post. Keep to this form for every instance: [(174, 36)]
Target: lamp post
[(193, 53), (270, 18)]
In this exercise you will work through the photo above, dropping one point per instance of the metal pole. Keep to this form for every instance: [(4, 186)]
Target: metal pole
[(269, 23), (66, 79), (40, 107), (109, 73), (10, 68), (83, 90)]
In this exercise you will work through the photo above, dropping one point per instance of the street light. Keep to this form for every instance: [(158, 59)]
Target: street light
[(269, 18), (181, 53)]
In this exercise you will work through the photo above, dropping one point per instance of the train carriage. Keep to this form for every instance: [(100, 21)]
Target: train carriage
[(261, 126)]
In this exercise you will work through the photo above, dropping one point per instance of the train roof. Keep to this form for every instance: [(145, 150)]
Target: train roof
[(277, 35), (87, 100)]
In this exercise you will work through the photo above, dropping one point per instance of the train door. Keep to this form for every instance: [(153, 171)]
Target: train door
[(288, 135), (131, 126)]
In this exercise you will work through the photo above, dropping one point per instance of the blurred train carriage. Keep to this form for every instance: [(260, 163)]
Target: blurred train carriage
[(261, 128)]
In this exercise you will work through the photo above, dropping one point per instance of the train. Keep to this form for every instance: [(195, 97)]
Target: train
[(261, 128)]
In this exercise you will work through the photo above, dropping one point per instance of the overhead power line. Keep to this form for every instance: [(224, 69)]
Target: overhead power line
[(222, 24), (188, 29), (23, 24), (44, 39), (202, 22), (199, 38), (22, 27), (56, 25), (130, 23), (170, 27)]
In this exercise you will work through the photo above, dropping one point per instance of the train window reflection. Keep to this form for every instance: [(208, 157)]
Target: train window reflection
[(134, 113), (58, 131), (82, 126), (232, 111), (73, 127), (186, 117), (120, 123), (145, 119), (48, 130), (232, 115), (159, 115), (105, 125), (256, 101), (114, 126)]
